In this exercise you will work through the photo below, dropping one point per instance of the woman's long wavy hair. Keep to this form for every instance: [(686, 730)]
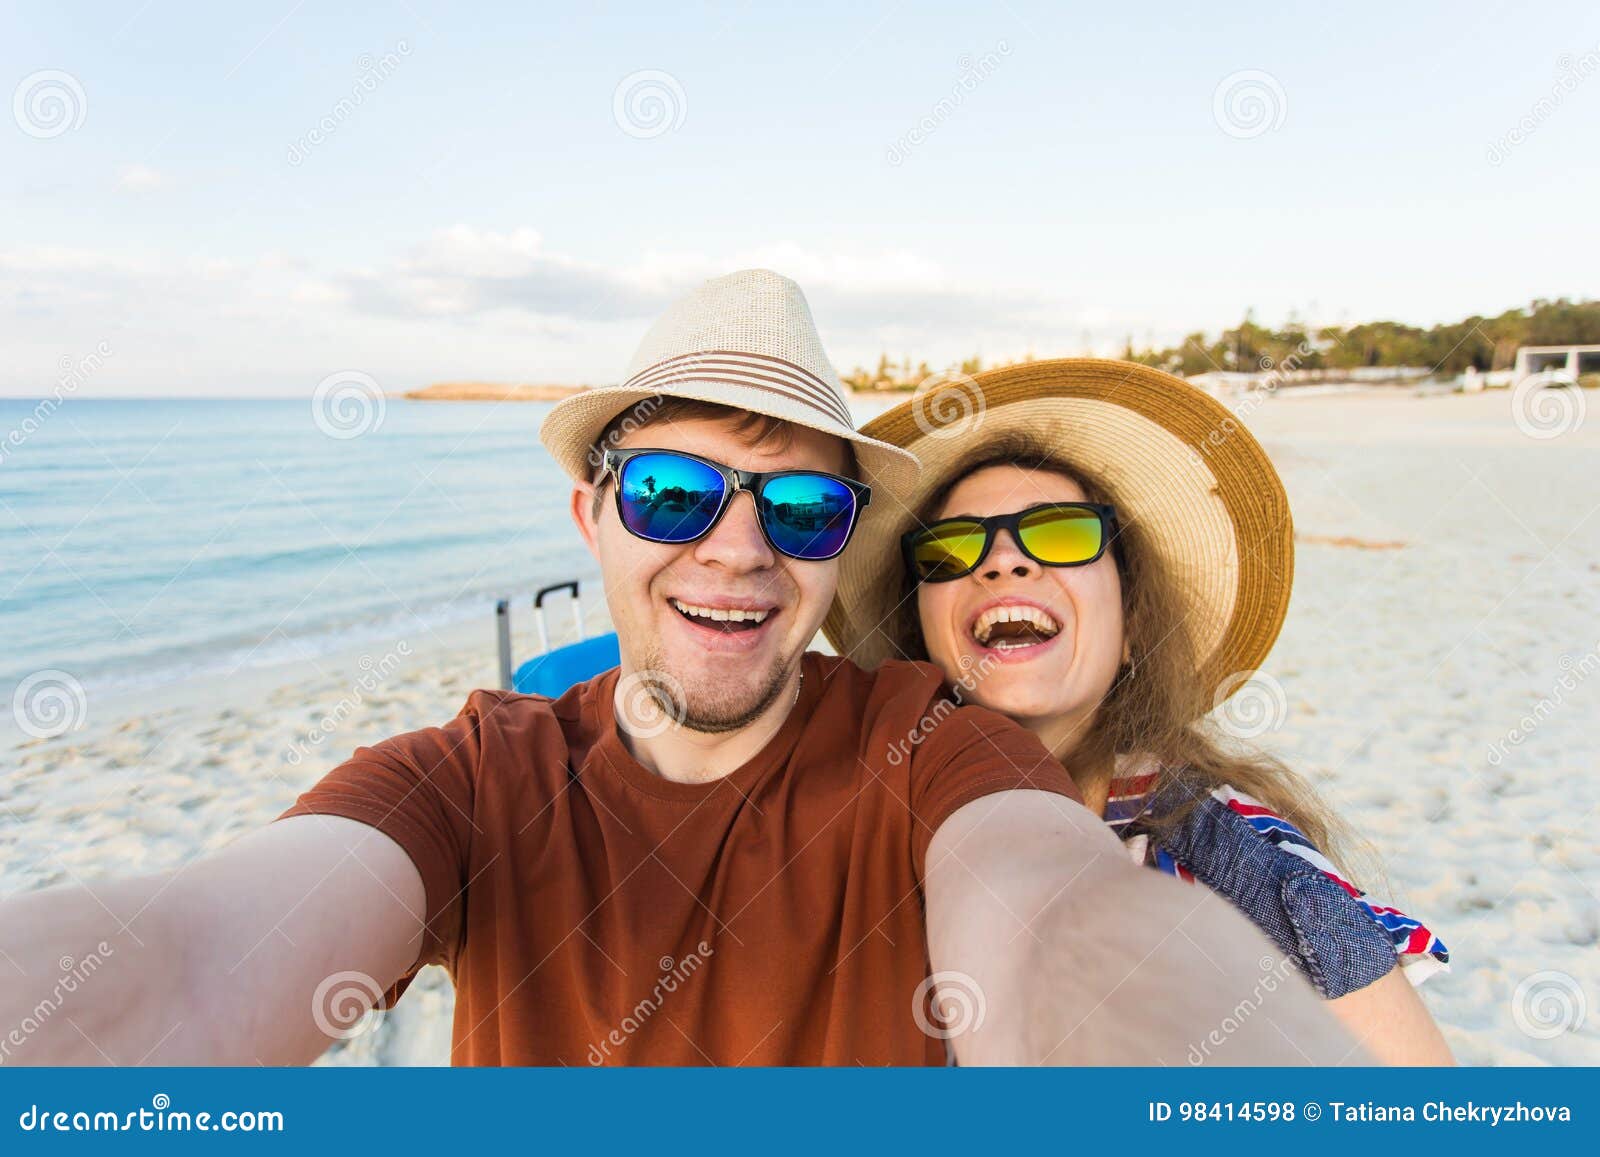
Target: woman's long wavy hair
[(1156, 706)]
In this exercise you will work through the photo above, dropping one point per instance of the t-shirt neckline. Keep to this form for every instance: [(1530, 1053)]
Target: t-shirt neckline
[(616, 757)]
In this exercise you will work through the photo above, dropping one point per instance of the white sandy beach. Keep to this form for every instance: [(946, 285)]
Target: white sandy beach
[(1438, 678)]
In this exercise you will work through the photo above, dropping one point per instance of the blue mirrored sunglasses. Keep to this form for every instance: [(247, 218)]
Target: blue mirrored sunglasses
[(671, 497)]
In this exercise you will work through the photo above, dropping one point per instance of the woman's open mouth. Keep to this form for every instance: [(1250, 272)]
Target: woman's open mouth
[(1013, 627)]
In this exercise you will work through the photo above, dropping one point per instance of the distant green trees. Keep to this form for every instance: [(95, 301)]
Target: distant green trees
[(1485, 343)]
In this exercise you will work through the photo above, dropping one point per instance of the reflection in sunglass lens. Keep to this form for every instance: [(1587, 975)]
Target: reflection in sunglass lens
[(808, 516), (668, 497), (948, 550), (1062, 534)]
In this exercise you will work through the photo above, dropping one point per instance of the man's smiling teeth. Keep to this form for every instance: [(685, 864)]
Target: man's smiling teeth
[(719, 614), (1037, 625)]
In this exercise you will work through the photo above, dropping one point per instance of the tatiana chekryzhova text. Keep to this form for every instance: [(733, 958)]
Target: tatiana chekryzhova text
[(1443, 1111)]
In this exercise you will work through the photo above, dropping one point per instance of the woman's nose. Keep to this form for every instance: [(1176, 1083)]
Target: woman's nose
[(1005, 557)]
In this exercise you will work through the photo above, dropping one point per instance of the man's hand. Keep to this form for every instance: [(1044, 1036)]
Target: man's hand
[(1076, 955), (218, 962)]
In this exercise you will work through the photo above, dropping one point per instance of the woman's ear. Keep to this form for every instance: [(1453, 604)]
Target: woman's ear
[(585, 511)]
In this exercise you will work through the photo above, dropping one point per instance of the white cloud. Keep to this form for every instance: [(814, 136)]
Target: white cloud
[(463, 271), (474, 303), (139, 179)]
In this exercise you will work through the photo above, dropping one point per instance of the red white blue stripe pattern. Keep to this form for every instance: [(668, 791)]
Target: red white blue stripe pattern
[(1410, 937), (1420, 951)]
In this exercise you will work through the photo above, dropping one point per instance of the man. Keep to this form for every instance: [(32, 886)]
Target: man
[(727, 851)]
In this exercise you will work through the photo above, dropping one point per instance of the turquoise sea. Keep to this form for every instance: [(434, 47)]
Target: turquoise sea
[(143, 541)]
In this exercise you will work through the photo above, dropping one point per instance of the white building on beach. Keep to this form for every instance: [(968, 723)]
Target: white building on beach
[(1566, 363)]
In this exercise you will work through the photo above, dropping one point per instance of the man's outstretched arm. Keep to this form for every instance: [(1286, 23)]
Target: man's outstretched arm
[(216, 963), (1076, 955)]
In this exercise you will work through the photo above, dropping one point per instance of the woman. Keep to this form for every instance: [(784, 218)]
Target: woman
[(1101, 552)]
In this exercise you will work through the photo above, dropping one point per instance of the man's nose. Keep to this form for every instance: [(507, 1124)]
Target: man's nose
[(736, 542), (1006, 558)]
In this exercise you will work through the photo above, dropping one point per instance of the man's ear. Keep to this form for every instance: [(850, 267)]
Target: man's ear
[(583, 514)]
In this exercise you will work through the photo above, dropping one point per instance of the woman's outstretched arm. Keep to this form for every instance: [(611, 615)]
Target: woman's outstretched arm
[(1053, 947), (1390, 1020)]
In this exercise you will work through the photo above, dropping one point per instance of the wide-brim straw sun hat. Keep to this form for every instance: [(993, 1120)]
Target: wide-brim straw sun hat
[(1181, 465), (746, 341)]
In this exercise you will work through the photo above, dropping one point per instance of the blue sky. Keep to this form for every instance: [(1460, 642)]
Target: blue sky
[(484, 210)]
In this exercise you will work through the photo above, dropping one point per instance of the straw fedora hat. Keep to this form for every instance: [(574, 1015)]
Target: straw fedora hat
[(746, 341), (1182, 467)]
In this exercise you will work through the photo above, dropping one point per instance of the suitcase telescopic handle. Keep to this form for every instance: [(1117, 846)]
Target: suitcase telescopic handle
[(538, 608)]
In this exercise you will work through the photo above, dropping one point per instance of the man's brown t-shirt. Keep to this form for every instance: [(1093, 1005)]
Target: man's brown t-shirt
[(592, 912)]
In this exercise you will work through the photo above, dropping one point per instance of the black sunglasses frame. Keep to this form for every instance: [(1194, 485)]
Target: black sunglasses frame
[(1011, 523), (733, 481)]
